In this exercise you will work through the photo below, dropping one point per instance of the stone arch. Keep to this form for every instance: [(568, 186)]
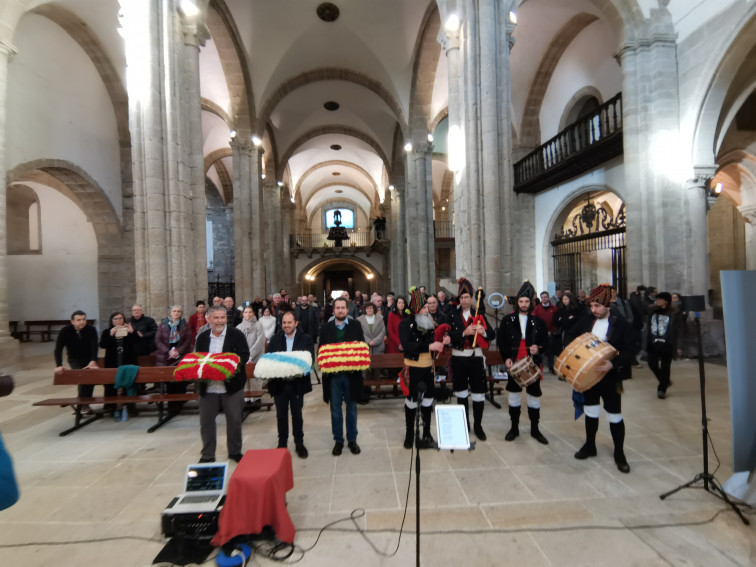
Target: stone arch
[(340, 163), (233, 59), (319, 265), (373, 200), (330, 74), (213, 108), (709, 121), (571, 110), (425, 61), (345, 130), (77, 185), (443, 113), (559, 216), (530, 129)]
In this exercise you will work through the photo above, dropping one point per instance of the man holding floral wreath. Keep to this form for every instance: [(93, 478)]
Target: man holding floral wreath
[(228, 394)]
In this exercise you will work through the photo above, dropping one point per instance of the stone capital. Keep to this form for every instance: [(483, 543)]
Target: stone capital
[(241, 145), (195, 33), (8, 49)]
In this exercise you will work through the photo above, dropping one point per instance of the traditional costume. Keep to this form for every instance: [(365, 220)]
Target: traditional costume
[(616, 331), (467, 360), (415, 339), (517, 333)]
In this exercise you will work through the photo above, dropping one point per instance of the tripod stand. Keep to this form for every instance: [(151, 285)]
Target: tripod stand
[(710, 483)]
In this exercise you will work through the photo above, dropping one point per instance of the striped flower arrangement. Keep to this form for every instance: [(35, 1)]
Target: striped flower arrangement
[(283, 365), (208, 367), (344, 357)]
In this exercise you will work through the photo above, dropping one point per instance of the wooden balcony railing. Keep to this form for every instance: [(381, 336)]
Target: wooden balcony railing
[(581, 146)]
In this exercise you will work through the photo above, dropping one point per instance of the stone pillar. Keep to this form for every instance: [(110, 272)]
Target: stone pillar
[(410, 218), (479, 105), (421, 222), (163, 101), (398, 239), (242, 152), (272, 208), (195, 34), (256, 225), (696, 228), (655, 173), (749, 214), (288, 277), (9, 347)]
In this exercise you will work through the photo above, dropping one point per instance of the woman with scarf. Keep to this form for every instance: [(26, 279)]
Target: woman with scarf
[(173, 340), (254, 333)]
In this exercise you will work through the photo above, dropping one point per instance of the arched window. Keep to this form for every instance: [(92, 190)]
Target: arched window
[(23, 220)]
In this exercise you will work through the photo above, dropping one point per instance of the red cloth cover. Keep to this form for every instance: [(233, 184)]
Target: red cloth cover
[(205, 366), (257, 497), (344, 357)]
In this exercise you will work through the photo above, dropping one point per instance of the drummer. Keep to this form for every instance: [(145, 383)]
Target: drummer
[(616, 331), (522, 334)]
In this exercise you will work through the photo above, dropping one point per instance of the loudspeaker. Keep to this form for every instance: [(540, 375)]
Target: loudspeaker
[(694, 303)]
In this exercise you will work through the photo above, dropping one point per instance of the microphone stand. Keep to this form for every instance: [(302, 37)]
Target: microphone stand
[(420, 397)]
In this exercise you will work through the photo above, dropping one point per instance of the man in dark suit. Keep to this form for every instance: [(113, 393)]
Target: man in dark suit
[(342, 386), (229, 394), (308, 318), (288, 392), (617, 332)]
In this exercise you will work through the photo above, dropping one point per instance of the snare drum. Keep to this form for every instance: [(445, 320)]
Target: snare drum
[(578, 361), (524, 371)]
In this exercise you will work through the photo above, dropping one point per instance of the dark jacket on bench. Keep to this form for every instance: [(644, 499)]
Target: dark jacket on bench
[(234, 342)]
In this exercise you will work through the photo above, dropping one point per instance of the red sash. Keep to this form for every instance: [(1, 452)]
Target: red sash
[(481, 341)]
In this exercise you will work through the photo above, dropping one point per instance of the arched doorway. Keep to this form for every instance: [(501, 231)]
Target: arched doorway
[(588, 246), (324, 277)]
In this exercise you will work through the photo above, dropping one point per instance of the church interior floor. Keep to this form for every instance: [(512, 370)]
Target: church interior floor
[(518, 503)]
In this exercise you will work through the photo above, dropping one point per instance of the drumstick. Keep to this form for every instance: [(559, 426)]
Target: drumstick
[(477, 307)]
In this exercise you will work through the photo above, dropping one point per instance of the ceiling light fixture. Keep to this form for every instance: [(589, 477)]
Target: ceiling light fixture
[(336, 173), (430, 137), (513, 17), (233, 133), (452, 23), (331, 105), (279, 183), (256, 141), (328, 12), (189, 8), (391, 188), (335, 147), (408, 147)]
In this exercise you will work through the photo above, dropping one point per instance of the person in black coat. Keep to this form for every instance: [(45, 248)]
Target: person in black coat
[(290, 393), (308, 318), (661, 343), (522, 334), (229, 394), (618, 333), (145, 328), (80, 342), (342, 386), (119, 341)]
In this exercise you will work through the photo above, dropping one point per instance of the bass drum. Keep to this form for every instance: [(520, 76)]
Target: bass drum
[(578, 361)]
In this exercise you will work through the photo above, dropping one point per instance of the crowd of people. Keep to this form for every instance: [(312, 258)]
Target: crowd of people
[(649, 324)]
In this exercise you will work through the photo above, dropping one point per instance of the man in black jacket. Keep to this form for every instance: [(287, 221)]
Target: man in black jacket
[(308, 318), (468, 363), (145, 328), (288, 392), (616, 331), (229, 394), (522, 334), (80, 342), (342, 386), (661, 344)]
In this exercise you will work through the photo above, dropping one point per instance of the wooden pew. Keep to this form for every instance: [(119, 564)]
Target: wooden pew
[(46, 329), (159, 375)]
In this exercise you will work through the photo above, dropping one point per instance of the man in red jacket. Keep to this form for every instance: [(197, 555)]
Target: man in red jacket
[(546, 312)]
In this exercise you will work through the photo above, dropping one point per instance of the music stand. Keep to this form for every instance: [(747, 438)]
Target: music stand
[(696, 304)]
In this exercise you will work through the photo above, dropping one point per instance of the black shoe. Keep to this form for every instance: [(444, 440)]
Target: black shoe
[(337, 448), (354, 447), (479, 433), (302, 451), (538, 436), (427, 442), (585, 452), (661, 395), (408, 442), (235, 457), (512, 434), (621, 463), (207, 459), (281, 446)]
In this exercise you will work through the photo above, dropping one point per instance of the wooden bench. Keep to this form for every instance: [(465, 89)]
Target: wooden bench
[(13, 328), (159, 375), (48, 327)]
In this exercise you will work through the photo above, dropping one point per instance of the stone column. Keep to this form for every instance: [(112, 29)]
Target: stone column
[(422, 222), (195, 34), (479, 106), (256, 225), (749, 214), (696, 240), (288, 277), (410, 218), (655, 173), (398, 239), (163, 101), (272, 207), (9, 347), (242, 152)]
